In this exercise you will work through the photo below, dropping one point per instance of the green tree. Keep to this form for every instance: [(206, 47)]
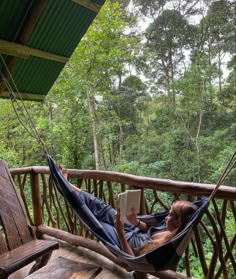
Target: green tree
[(109, 50), (219, 34), (166, 38)]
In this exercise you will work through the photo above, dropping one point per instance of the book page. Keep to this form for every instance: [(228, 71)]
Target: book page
[(128, 200), (133, 201), (122, 201)]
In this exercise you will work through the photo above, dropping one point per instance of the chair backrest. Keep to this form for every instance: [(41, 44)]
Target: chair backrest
[(14, 229)]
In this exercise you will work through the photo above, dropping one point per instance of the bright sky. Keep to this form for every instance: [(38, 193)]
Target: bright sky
[(144, 23)]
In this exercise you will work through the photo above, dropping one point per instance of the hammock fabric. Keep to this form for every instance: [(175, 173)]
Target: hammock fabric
[(163, 257)]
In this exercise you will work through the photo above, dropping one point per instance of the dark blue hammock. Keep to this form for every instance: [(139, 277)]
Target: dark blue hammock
[(163, 257)]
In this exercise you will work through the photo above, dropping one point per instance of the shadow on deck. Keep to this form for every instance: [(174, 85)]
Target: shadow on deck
[(81, 255)]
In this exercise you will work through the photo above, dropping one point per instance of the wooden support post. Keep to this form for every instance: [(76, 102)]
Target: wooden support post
[(36, 199)]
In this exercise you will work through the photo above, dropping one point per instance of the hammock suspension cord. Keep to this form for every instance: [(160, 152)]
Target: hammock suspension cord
[(31, 128), (231, 164)]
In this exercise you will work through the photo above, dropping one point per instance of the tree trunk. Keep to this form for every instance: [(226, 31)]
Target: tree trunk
[(103, 156), (172, 78), (92, 111), (219, 69), (121, 139), (197, 145)]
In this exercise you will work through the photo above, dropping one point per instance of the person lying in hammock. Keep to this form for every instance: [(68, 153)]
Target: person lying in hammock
[(134, 236)]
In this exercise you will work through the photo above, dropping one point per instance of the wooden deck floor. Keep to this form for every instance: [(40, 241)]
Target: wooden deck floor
[(110, 270)]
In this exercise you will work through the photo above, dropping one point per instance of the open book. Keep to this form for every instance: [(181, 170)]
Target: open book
[(128, 200)]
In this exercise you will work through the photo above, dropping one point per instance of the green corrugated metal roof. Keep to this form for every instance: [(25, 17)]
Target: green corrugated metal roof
[(58, 29)]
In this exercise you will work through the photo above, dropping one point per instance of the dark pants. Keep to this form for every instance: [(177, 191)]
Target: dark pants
[(105, 214), (102, 211)]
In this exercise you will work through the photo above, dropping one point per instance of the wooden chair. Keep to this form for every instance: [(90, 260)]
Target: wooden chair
[(18, 244)]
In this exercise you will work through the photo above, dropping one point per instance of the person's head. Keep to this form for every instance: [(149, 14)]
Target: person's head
[(180, 212)]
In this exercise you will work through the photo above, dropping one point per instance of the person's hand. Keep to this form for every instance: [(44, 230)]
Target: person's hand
[(118, 223), (132, 217)]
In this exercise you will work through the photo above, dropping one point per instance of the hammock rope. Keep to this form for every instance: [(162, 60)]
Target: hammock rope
[(14, 107), (31, 128), (230, 165)]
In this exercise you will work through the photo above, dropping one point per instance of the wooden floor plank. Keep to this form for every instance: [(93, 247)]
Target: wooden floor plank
[(82, 255), (61, 268)]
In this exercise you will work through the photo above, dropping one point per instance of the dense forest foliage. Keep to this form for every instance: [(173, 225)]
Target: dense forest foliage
[(150, 90)]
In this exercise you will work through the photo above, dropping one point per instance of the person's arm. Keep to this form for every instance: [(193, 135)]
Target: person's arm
[(142, 226), (120, 231), (74, 187), (132, 218)]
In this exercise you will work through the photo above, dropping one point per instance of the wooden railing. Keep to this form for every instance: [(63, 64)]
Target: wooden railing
[(211, 253)]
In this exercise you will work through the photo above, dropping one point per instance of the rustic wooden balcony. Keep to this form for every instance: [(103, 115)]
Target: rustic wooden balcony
[(48, 211)]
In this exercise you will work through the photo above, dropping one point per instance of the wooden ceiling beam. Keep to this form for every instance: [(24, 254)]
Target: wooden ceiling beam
[(31, 20), (24, 96), (23, 51), (88, 4)]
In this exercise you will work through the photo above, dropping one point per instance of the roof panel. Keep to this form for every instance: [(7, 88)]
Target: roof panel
[(58, 30), (35, 75), (12, 15), (61, 27)]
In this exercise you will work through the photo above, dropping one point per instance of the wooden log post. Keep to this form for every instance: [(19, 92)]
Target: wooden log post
[(36, 199)]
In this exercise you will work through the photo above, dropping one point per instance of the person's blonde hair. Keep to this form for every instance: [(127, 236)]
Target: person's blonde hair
[(183, 210)]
